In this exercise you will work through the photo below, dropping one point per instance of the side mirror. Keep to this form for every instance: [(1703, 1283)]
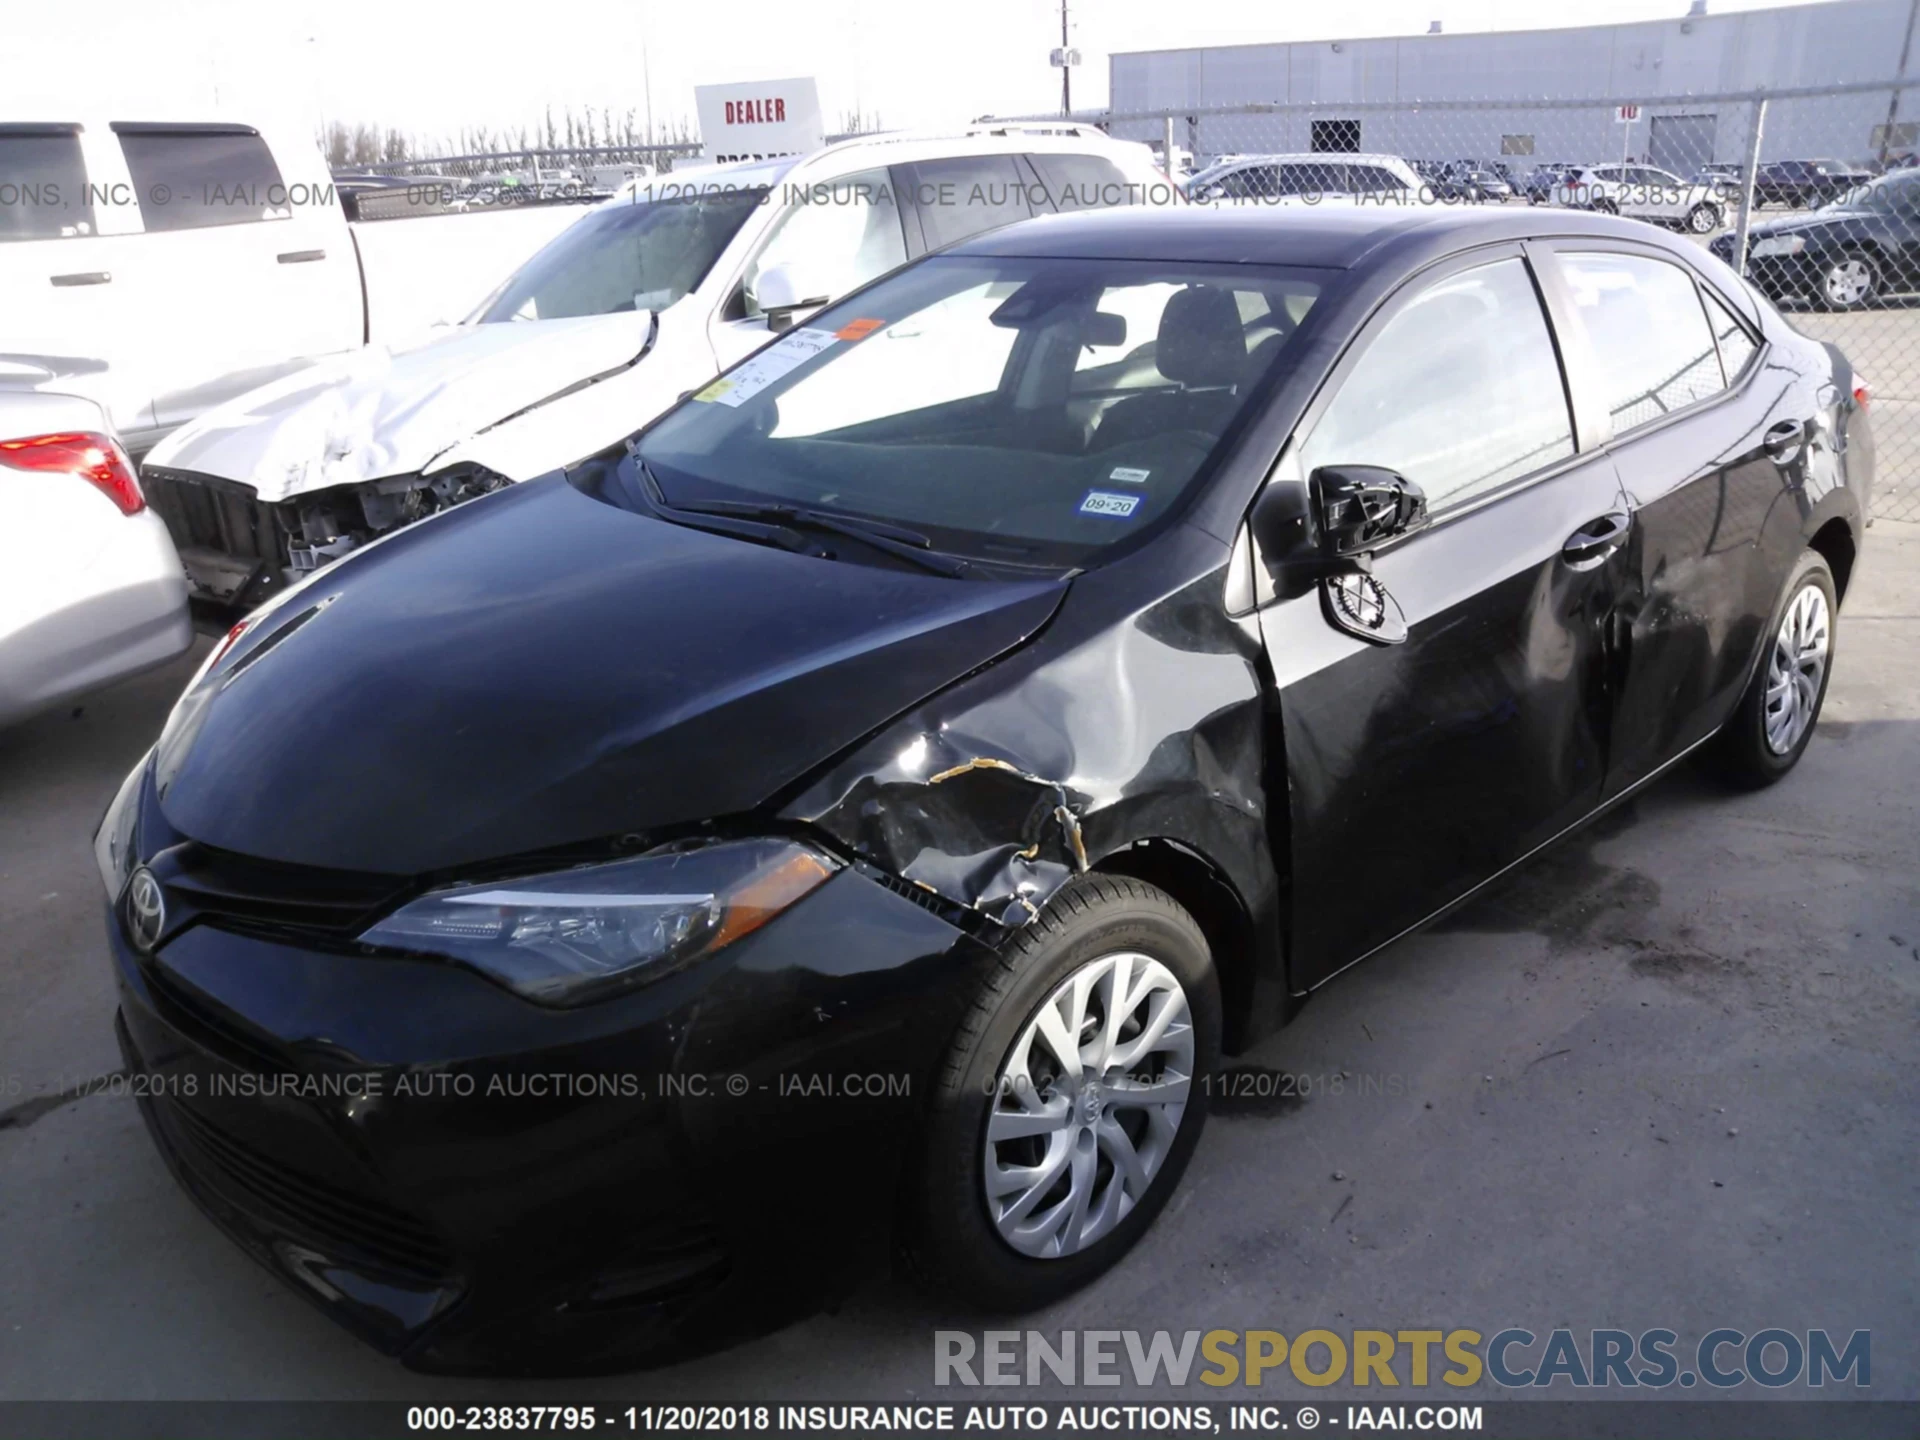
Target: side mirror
[(779, 291), (1361, 506), (1332, 524)]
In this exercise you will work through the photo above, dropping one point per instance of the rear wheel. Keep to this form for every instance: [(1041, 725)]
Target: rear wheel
[(1703, 219), (1774, 720), (1604, 206), (1070, 1102)]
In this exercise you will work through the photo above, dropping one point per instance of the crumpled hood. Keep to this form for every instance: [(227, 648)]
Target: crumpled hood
[(389, 410), (537, 668)]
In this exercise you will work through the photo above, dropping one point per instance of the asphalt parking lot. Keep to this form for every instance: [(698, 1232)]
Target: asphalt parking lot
[(1666, 1077)]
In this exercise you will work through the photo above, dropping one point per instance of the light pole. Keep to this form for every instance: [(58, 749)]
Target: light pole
[(1065, 58)]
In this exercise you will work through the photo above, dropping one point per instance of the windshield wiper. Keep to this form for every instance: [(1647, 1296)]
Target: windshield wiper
[(744, 528), (896, 540)]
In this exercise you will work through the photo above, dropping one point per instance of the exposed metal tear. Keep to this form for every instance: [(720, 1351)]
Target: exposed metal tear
[(979, 830)]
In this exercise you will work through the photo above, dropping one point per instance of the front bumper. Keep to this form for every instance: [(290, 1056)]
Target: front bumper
[(1778, 276), (475, 1184)]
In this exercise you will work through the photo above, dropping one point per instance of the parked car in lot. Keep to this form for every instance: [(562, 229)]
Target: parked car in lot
[(1541, 182), (1846, 255), (1485, 185), (1642, 192), (1724, 179), (642, 299), (1804, 183), (1458, 180), (193, 260), (1013, 687), (1306, 179), (90, 588)]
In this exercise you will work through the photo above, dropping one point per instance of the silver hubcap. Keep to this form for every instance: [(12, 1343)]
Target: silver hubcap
[(1704, 220), (1849, 282), (1795, 669), (1088, 1102)]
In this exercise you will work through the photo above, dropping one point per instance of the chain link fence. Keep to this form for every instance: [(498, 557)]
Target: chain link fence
[(1819, 190), (399, 189)]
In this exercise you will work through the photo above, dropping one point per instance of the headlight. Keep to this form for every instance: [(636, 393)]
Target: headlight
[(1778, 245), (113, 841), (570, 936)]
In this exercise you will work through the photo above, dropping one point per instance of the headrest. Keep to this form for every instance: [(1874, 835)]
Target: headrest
[(1201, 339)]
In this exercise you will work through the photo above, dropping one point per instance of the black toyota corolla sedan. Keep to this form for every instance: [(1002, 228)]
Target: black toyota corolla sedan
[(860, 810)]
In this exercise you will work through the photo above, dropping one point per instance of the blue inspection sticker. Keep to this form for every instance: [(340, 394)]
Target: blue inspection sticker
[(1105, 502)]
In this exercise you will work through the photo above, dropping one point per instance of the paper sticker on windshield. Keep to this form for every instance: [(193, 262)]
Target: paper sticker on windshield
[(858, 329), (1105, 502), (773, 363), (1126, 475)]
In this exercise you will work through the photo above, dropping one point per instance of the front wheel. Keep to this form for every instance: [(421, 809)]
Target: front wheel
[(1849, 282), (1773, 722), (1071, 1100), (1703, 219)]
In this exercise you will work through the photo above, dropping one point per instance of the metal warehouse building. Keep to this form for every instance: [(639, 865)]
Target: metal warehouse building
[(1442, 95)]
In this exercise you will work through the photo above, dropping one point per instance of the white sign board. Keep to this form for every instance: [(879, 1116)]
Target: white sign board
[(1625, 114), (758, 119)]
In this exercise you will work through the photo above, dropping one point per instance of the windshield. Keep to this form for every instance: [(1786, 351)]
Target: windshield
[(1023, 410), (626, 255)]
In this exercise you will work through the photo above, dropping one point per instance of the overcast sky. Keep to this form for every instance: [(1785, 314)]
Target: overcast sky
[(432, 66)]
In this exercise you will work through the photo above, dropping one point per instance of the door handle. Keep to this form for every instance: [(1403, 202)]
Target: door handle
[(1596, 540), (82, 277), (1782, 442), (300, 257)]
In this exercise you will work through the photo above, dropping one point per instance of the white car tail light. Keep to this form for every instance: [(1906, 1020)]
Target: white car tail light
[(97, 459)]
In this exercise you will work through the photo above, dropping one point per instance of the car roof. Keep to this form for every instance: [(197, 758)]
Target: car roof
[(1334, 238)]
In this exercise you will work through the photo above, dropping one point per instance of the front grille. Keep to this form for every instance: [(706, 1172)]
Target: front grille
[(240, 892), (342, 1225)]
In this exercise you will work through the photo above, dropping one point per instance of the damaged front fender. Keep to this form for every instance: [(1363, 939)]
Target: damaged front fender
[(1057, 760)]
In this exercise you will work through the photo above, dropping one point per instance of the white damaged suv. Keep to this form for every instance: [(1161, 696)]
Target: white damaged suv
[(641, 300)]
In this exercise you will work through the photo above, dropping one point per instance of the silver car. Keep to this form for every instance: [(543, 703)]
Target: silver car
[(91, 588)]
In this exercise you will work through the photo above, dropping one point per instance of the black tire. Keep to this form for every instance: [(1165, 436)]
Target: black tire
[(1854, 263), (950, 1241), (1604, 206), (1703, 219), (1740, 754)]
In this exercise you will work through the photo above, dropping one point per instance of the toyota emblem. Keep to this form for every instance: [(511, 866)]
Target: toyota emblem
[(146, 910)]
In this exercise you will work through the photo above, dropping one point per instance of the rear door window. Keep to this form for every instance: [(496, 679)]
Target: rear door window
[(1081, 182), (1648, 332), (966, 195), (43, 184), (1371, 179), (1737, 345), (1313, 179), (189, 179), (1253, 182)]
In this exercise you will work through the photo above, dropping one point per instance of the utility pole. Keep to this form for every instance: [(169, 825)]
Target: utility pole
[(1066, 70), (1893, 105)]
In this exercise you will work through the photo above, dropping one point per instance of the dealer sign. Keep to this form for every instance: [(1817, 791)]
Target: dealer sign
[(756, 120)]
